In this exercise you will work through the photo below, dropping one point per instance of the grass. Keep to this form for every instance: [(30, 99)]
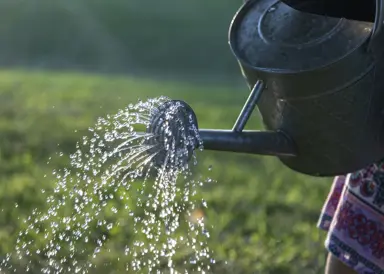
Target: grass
[(263, 215)]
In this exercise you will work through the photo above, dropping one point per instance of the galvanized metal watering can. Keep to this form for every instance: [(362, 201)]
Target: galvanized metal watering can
[(318, 83)]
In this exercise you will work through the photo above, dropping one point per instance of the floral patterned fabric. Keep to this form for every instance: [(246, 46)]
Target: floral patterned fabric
[(353, 215)]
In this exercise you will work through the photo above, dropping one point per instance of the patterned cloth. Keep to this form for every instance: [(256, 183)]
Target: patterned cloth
[(353, 215)]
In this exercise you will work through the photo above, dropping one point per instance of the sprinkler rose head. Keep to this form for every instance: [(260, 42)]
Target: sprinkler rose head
[(173, 133)]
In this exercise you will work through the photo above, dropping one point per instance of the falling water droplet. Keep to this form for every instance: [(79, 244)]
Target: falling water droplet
[(114, 186)]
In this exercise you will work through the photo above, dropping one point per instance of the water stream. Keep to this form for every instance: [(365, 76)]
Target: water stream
[(121, 179)]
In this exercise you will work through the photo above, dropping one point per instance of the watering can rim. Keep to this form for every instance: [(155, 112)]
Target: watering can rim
[(369, 42)]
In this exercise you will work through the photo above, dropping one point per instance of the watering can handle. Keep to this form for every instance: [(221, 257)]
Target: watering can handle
[(378, 24)]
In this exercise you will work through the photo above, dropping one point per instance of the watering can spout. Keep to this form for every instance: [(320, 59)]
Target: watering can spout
[(174, 124), (273, 143)]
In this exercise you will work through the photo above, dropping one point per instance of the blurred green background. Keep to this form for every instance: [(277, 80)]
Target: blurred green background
[(66, 62)]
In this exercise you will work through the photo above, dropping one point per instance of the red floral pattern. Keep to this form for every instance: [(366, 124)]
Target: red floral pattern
[(353, 215)]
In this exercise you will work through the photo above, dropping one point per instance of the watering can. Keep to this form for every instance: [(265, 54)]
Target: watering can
[(317, 79)]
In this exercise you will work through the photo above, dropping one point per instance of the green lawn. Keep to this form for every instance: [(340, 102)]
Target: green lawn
[(263, 214)]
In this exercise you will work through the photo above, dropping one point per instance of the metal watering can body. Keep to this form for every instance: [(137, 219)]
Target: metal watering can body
[(318, 82)]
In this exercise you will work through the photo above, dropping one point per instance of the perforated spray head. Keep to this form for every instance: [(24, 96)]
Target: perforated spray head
[(174, 134)]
